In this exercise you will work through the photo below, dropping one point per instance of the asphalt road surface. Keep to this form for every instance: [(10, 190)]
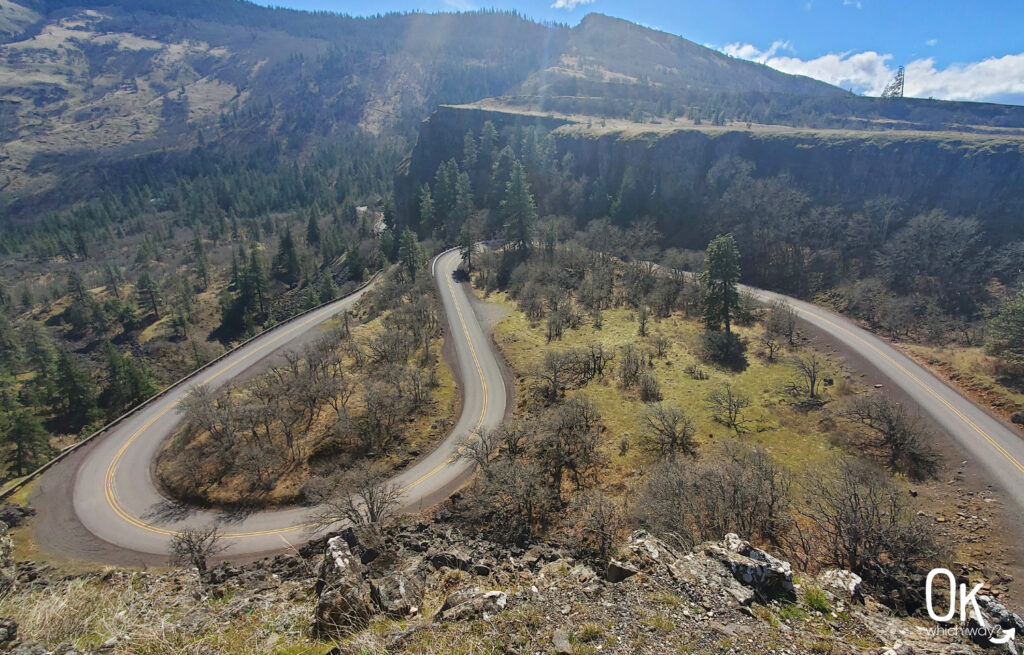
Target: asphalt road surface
[(997, 446), (116, 499)]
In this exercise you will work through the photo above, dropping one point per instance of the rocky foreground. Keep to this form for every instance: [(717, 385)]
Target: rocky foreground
[(426, 588)]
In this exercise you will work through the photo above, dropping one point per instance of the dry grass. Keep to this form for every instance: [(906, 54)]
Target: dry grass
[(973, 371)]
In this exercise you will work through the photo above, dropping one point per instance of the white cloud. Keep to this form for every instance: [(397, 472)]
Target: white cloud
[(931, 42), (853, 3), (460, 5), (747, 51), (570, 4), (996, 79)]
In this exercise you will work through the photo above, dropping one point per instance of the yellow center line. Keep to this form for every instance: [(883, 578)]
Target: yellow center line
[(111, 495), (913, 377)]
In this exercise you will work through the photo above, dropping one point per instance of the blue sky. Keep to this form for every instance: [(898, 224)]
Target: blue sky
[(969, 49)]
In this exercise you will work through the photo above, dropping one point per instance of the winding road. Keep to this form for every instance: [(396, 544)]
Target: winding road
[(115, 498), (995, 445)]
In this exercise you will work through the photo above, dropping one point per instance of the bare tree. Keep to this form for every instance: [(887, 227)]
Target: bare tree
[(781, 321), (901, 433), (594, 523), (771, 344), (741, 490), (811, 369), (669, 430), (363, 496), (194, 546), (631, 365), (554, 370), (642, 317), (568, 443), (865, 525), (727, 405)]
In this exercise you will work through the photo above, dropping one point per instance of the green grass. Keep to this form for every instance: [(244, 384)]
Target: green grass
[(815, 599), (794, 438)]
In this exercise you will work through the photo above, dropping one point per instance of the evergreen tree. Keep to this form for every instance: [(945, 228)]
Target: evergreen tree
[(518, 209), (410, 254), (24, 438), (129, 382), (468, 238), (76, 394), (200, 261), (75, 286), (469, 151), (463, 200), (286, 262), (426, 208), (149, 293), (720, 276), (313, 228), (113, 278)]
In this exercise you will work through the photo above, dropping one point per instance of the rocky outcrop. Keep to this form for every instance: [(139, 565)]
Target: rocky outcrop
[(843, 584), (471, 603), (344, 604), (736, 570)]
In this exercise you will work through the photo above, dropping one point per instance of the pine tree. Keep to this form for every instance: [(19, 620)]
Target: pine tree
[(24, 438), (128, 382), (410, 253), (112, 278), (286, 262), (426, 208), (313, 227), (721, 274), (150, 293), (467, 244), (518, 209), (200, 261), (76, 394), (469, 151)]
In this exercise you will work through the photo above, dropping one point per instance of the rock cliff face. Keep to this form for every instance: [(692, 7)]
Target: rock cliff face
[(425, 587), (966, 174)]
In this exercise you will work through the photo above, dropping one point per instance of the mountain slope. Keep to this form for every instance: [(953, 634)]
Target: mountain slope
[(87, 84), (613, 50)]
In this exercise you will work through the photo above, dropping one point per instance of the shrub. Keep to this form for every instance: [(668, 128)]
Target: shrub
[(650, 388), (744, 491)]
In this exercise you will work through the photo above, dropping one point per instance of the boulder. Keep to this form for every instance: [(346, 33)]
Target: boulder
[(343, 604), (618, 571), (470, 603), (1018, 418), (842, 583), (8, 630), (452, 558), (768, 576), (398, 595), (560, 640), (997, 614)]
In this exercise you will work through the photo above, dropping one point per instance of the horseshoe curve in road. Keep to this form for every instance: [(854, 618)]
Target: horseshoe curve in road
[(115, 497)]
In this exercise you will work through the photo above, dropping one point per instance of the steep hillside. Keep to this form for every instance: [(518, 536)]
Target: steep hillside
[(86, 85), (612, 50)]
